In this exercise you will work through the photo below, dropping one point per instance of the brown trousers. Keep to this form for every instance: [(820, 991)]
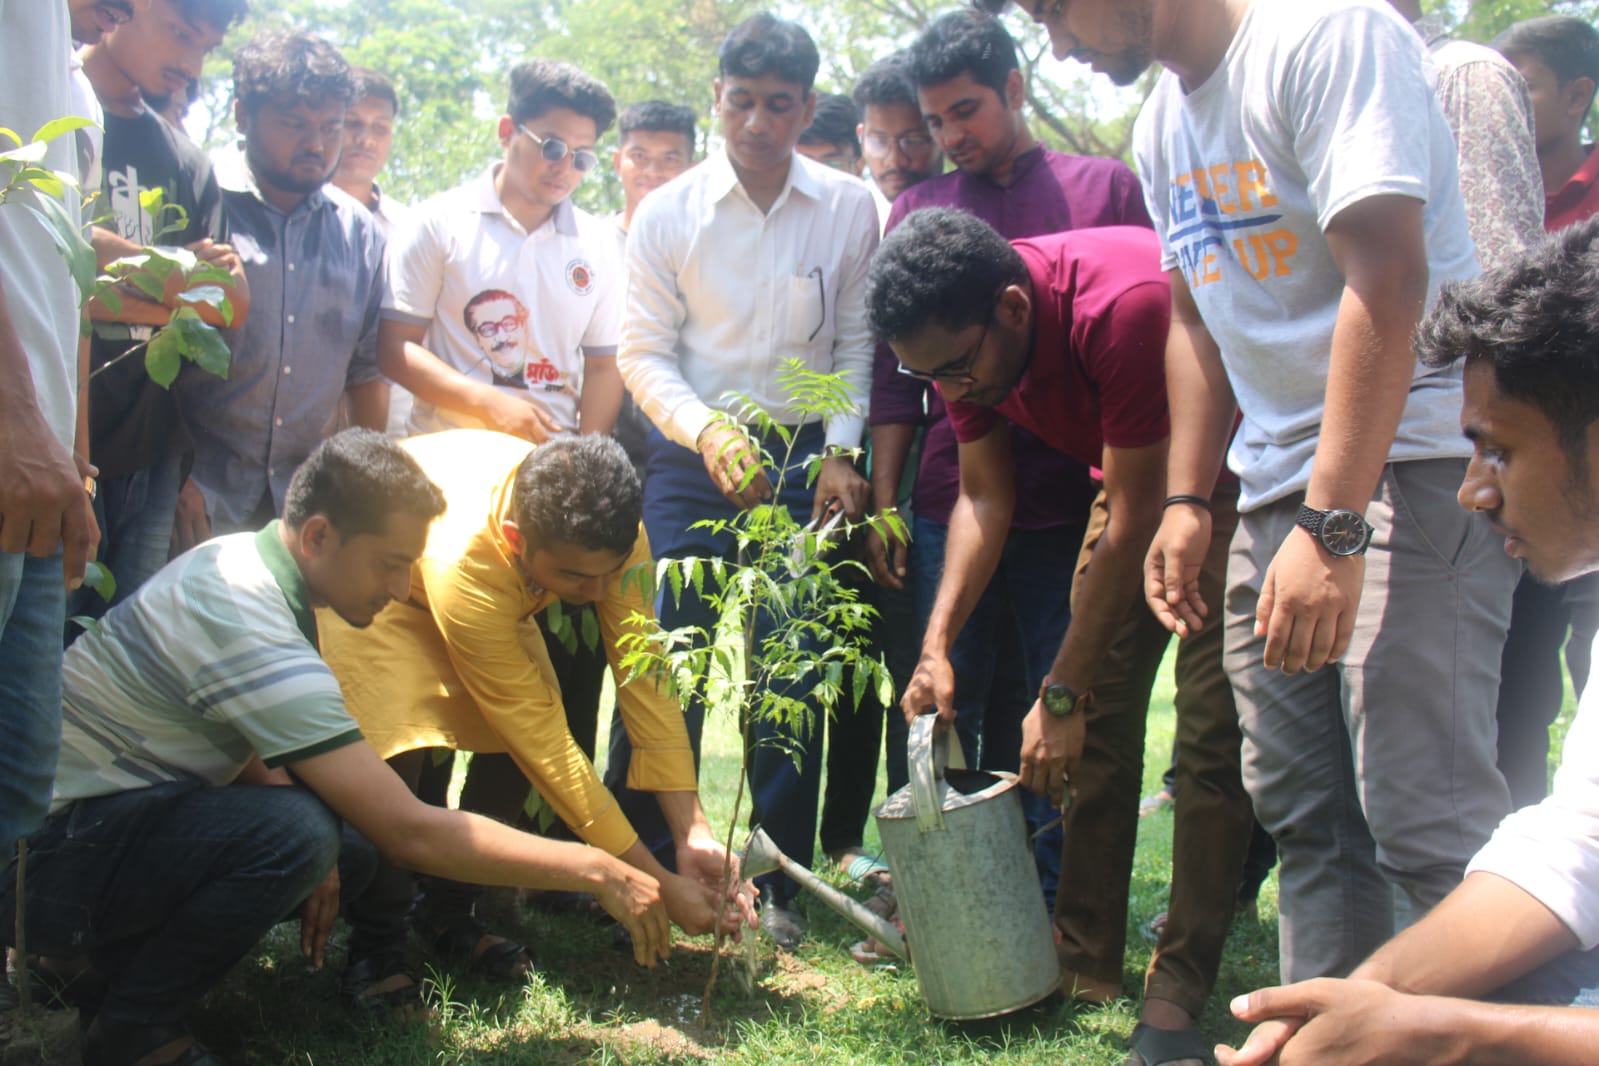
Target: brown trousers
[(1212, 815)]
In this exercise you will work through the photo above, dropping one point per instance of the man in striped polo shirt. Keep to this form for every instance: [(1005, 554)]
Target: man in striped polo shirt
[(176, 837)]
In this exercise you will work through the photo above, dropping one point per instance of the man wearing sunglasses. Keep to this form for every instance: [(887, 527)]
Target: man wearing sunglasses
[(512, 239)]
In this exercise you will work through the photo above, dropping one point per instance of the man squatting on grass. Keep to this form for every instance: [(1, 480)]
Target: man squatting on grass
[(177, 837)]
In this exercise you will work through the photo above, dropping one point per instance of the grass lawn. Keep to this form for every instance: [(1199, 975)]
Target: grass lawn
[(592, 1004)]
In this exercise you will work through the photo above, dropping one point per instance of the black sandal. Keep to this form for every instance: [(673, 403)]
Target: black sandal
[(464, 939), (121, 1044), (382, 981)]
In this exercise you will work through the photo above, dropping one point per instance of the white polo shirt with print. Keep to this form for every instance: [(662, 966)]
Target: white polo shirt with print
[(503, 306)]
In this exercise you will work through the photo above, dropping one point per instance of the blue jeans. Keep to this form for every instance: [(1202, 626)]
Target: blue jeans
[(1025, 608), (165, 888), (135, 515), (33, 611), (785, 765)]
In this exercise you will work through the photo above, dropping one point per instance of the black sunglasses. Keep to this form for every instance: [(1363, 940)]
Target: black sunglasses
[(553, 149)]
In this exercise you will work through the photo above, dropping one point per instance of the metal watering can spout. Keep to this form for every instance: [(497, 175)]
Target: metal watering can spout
[(761, 856)]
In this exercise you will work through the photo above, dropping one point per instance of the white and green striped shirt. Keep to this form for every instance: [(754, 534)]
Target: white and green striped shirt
[(215, 658)]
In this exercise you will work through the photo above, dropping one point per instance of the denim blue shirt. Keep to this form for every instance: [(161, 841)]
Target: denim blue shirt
[(316, 283)]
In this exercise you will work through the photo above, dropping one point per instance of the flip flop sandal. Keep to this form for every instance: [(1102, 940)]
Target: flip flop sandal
[(1158, 1047), (117, 1044), (382, 982), (484, 953)]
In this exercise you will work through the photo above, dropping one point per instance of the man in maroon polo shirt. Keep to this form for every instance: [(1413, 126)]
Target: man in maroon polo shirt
[(1064, 336), (970, 91)]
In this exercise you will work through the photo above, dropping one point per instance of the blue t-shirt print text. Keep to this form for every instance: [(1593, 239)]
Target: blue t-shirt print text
[(1227, 211)]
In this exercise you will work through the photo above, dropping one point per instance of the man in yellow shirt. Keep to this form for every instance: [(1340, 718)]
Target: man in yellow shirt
[(462, 664)]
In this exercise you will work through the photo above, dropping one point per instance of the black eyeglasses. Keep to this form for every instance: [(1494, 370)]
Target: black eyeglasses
[(553, 149), (909, 143), (957, 371)]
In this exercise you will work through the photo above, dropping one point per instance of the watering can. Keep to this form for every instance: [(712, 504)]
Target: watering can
[(976, 929)]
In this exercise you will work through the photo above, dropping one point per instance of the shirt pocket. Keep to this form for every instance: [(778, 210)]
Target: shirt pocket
[(810, 311)]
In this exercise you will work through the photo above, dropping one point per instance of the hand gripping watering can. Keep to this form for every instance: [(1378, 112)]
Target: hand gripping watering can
[(976, 930)]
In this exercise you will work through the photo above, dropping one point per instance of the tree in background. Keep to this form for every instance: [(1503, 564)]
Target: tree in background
[(449, 59)]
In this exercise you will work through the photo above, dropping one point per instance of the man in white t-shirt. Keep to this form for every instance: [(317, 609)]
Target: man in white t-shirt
[(1523, 926), (467, 267), (1304, 184)]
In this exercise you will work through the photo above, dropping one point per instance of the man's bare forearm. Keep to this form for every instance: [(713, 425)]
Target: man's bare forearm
[(978, 527), (1379, 246), (369, 404), (891, 446), (1199, 398), (1485, 934)]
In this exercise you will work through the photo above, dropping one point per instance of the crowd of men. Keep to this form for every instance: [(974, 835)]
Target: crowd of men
[(1220, 396)]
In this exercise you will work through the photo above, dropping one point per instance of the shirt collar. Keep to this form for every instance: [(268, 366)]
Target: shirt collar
[(1585, 176), (243, 180), (722, 179), (486, 200), (286, 572)]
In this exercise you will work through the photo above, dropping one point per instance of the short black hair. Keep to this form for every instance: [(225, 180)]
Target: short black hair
[(1567, 46), (939, 266), (285, 69), (357, 479), (764, 44), (658, 116), (887, 81), (966, 41), (835, 123), (220, 15), (578, 491), (1536, 320), (538, 85), (369, 82)]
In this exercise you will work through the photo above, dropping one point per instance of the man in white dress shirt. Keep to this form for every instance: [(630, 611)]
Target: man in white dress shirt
[(755, 257), (1523, 925)]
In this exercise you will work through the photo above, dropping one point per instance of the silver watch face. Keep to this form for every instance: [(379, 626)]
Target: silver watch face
[(1344, 533)]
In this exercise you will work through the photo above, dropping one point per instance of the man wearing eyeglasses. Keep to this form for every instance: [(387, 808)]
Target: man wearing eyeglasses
[(895, 142), (970, 93), (467, 267)]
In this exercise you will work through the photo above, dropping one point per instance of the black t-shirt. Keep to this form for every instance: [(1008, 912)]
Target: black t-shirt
[(133, 421)]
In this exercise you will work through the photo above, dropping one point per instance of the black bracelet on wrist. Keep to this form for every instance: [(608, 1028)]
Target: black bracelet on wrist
[(1186, 497)]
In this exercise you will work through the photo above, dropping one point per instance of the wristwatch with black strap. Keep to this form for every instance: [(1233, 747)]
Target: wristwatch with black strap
[(1341, 532), (1062, 701)]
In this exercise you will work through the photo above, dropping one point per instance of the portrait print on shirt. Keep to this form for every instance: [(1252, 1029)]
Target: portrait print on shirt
[(498, 322)]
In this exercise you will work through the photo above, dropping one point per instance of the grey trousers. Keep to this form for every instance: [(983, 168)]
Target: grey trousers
[(1377, 771)]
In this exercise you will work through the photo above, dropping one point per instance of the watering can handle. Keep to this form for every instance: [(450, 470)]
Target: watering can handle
[(929, 755)]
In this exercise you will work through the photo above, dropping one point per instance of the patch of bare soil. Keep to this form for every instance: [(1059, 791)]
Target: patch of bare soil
[(47, 1038)]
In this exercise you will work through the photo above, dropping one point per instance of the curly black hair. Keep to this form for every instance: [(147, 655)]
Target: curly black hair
[(966, 41), (1536, 321), (285, 68), (580, 491), (765, 44), (537, 85), (356, 480), (940, 266)]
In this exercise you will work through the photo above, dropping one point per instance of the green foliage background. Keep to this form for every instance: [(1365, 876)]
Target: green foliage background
[(449, 59)]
